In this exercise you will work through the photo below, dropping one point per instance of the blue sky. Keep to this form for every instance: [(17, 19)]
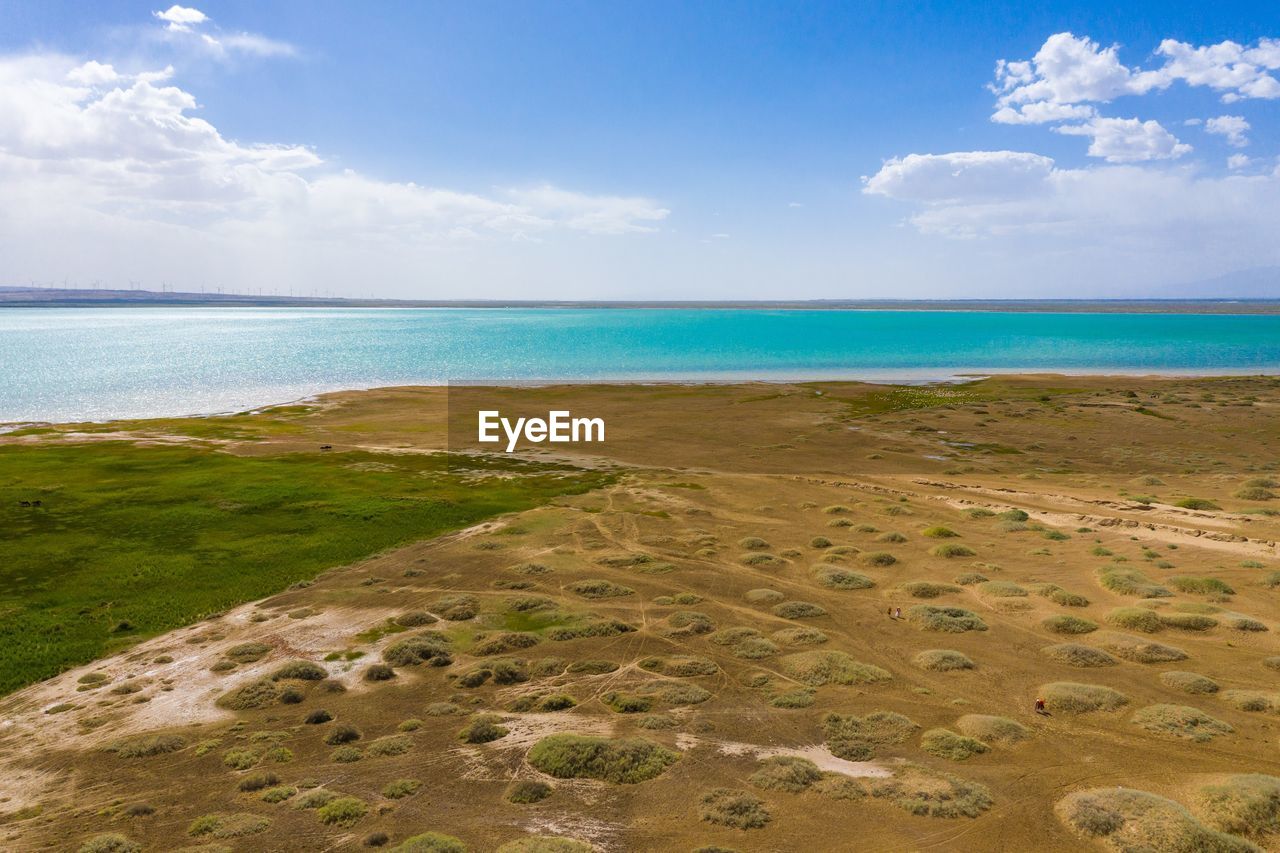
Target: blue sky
[(660, 150)]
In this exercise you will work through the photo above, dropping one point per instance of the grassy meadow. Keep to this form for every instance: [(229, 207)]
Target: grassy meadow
[(131, 540)]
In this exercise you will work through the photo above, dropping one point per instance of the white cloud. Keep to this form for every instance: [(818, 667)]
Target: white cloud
[(81, 142), (1238, 161), (1234, 128), (1137, 218), (185, 26), (1127, 140), (944, 178), (181, 18), (1069, 73)]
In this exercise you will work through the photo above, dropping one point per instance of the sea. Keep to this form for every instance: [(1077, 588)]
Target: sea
[(97, 364)]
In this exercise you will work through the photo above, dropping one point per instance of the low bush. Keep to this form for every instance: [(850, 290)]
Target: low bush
[(1247, 804), (939, 532), (546, 844), (390, 745), (597, 589), (930, 793), (379, 672), (836, 578), (951, 746), (615, 760), (1201, 586), (1073, 698), (342, 734), (247, 697), (300, 670), (110, 842), (798, 610), (927, 589), (990, 729), (817, 668), (953, 620), (1131, 820), (147, 746), (344, 811), (1131, 582), (1180, 721), (943, 660), (1197, 504), (879, 558), (316, 717), (1253, 700), (1069, 625), (1138, 650), (525, 792), (430, 647), (857, 738), (248, 652), (430, 842), (1075, 654), (950, 551), (789, 773), (1001, 589), (971, 578), (1136, 619), (1189, 682), (734, 808), (483, 728), (235, 825)]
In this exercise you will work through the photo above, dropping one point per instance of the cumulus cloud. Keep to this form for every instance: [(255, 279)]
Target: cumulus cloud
[(186, 26), (181, 18), (1238, 161), (1234, 128), (961, 175), (84, 137), (1127, 140)]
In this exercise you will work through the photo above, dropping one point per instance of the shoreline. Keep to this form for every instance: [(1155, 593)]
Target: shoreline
[(903, 377)]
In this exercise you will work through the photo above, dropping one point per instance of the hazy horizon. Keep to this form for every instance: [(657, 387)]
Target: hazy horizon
[(604, 152)]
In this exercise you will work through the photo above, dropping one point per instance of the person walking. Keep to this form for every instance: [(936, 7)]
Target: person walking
[(1040, 705)]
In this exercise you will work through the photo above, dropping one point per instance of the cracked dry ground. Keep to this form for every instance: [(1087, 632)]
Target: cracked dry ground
[(718, 620)]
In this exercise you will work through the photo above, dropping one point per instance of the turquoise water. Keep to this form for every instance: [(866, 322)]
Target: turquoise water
[(63, 364)]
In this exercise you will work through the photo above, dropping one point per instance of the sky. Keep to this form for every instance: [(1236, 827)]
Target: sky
[(660, 150)]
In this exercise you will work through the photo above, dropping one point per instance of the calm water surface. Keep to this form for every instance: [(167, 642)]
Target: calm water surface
[(66, 364)]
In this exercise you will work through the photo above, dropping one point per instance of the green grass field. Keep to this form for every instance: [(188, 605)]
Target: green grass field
[(130, 541)]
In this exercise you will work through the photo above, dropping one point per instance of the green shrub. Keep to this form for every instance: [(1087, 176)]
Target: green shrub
[(1180, 721), (430, 647), (1001, 589), (342, 734), (1138, 650), (951, 746), (527, 791), (789, 773), (1189, 682), (1136, 619), (430, 842), (990, 729), (346, 755), (857, 738), (753, 543), (228, 825), (483, 728), (798, 610), (315, 798), (733, 808), (817, 668), (379, 672), (146, 746), (837, 578), (1069, 625), (800, 636), (626, 703), (793, 699), (1197, 504), (545, 844), (1074, 698), (239, 759), (401, 788), (679, 666), (930, 793), (1074, 654), (592, 667), (953, 620), (110, 842), (927, 589), (505, 641), (1248, 804), (891, 537), (258, 781), (390, 745), (278, 794), (971, 578), (949, 551), (415, 619), (1131, 582), (820, 542), (457, 608), (616, 760), (1188, 621), (1253, 700), (255, 694), (248, 652), (316, 717), (596, 589), (300, 670), (943, 660), (1201, 586), (1013, 515), (939, 532), (344, 811), (1136, 820), (1255, 493)]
